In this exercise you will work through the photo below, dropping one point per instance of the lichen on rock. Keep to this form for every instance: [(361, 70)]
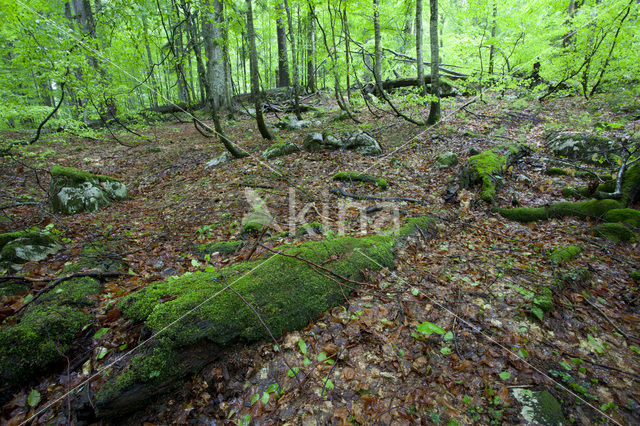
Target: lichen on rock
[(24, 246)]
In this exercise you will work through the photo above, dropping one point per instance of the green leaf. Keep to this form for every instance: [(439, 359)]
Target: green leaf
[(448, 336), (306, 362), (255, 398), (273, 387), (595, 344), (522, 352), (195, 263), (505, 375), (415, 291), (34, 398), (565, 365), (27, 299), (635, 349), (445, 350), (100, 333), (102, 353), (322, 356), (328, 385), (245, 420), (293, 371), (535, 310), (428, 328), (265, 398), (303, 346)]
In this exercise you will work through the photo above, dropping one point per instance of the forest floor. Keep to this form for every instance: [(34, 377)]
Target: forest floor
[(363, 363)]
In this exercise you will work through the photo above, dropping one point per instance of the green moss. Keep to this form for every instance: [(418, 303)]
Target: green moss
[(360, 177), (629, 217), (544, 300), (222, 247), (308, 228), (46, 330), (76, 176), (556, 171), (34, 235), (564, 254), (614, 232), (415, 225), (590, 208), (487, 167), (635, 275)]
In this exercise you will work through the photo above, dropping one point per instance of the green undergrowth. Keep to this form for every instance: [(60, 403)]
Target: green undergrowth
[(591, 208), (360, 177), (45, 331), (286, 292)]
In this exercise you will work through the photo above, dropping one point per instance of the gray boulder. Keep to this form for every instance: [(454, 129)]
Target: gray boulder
[(292, 123), (587, 148), (74, 191), (280, 149), (313, 142), (446, 160), (363, 143), (220, 159), (539, 407), (21, 247)]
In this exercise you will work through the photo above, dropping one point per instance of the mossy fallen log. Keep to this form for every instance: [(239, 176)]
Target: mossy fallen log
[(488, 167), (629, 217), (360, 177), (45, 331), (591, 208), (194, 318), (614, 232)]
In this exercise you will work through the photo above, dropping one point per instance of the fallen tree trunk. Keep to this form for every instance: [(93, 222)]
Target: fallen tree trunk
[(176, 107), (446, 88)]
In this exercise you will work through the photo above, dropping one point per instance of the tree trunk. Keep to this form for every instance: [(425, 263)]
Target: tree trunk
[(377, 64), (212, 34), (153, 96), (194, 41), (311, 53), (256, 92), (492, 48), (283, 61), (419, 60), (296, 99), (434, 110)]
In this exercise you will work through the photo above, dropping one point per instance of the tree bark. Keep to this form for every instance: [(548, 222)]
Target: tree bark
[(492, 48), (311, 53), (377, 65), (212, 33), (256, 92), (434, 110), (296, 99), (419, 60), (283, 61)]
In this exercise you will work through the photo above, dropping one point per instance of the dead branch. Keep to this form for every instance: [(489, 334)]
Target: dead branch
[(342, 192)]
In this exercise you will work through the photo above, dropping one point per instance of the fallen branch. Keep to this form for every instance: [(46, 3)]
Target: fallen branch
[(56, 281), (609, 320), (342, 192)]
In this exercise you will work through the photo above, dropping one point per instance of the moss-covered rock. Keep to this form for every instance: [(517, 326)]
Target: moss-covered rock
[(614, 232), (198, 310), (582, 147), (46, 330), (359, 177), (222, 247), (24, 246), (629, 217), (75, 191), (446, 160), (280, 149), (591, 208), (488, 167), (630, 187), (539, 407), (564, 254), (556, 171)]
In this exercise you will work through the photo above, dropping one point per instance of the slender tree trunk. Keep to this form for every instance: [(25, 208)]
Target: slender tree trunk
[(419, 60), (377, 65), (153, 97), (492, 48), (434, 111), (213, 34), (194, 42), (311, 54), (256, 92), (283, 61), (345, 28), (294, 60)]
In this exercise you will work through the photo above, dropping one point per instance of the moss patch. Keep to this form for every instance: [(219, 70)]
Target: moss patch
[(629, 217), (360, 177), (487, 168), (564, 254), (74, 176), (590, 208), (309, 228), (614, 232), (222, 247), (45, 331), (635, 275), (556, 171)]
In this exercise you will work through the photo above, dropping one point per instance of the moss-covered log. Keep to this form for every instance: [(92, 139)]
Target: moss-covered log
[(45, 332), (360, 177), (592, 208), (198, 310), (488, 167)]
